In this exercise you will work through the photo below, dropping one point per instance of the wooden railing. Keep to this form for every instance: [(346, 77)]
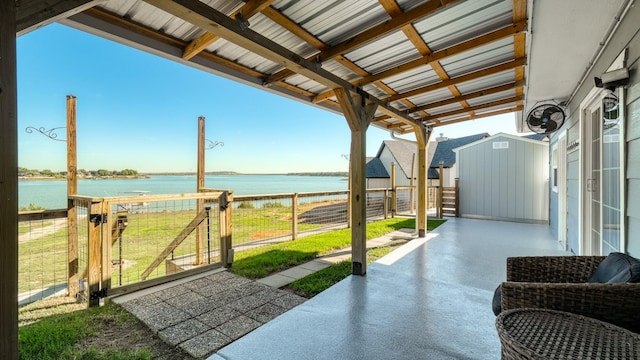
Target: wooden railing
[(106, 246)]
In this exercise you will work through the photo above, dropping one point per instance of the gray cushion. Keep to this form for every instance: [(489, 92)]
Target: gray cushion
[(617, 268), (497, 301)]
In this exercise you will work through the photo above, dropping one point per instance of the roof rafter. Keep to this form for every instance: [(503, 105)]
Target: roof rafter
[(474, 108), (217, 23), (479, 116), (460, 79), (249, 9), (372, 34), (438, 55)]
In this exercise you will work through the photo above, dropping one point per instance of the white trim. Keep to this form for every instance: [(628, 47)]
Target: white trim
[(493, 138), (554, 166)]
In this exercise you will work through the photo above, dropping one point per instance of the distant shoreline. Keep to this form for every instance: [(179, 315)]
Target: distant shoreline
[(148, 175)]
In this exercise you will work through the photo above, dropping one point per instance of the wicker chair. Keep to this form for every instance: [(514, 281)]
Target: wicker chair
[(559, 283)]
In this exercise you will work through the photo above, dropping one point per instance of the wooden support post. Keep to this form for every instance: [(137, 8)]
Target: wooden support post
[(294, 216), (200, 235), (457, 198), (385, 204), (412, 183), (8, 183), (422, 137), (358, 113), (441, 192), (394, 194), (226, 233), (94, 257), (72, 189)]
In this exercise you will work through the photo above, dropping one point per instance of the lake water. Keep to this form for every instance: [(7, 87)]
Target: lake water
[(52, 194)]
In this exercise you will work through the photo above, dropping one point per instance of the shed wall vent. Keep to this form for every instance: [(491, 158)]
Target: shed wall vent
[(500, 145)]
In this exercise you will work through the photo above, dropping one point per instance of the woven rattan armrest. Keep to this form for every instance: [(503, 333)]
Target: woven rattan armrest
[(618, 304), (552, 269)]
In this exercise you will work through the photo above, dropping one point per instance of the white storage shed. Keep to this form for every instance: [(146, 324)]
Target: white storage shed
[(504, 177)]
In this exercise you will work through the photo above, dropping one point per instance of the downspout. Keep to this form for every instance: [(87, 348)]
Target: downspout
[(602, 45)]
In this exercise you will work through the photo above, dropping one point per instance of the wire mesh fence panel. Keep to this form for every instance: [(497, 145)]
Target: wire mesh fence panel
[(261, 219), (319, 212), (42, 255), (82, 243), (376, 204), (405, 201), (157, 238)]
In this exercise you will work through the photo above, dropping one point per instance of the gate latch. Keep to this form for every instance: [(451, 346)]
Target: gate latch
[(98, 219)]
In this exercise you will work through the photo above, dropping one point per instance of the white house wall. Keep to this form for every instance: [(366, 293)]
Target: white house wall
[(626, 36), (504, 184)]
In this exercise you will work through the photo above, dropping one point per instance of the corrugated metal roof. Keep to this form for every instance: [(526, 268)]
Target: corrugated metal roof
[(354, 38)]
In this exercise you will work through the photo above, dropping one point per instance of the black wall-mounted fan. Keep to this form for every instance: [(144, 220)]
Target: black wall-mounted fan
[(545, 118)]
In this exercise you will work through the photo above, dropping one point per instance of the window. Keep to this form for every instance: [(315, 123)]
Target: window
[(500, 145)]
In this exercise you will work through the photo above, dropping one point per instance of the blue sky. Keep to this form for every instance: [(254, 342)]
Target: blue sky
[(137, 110)]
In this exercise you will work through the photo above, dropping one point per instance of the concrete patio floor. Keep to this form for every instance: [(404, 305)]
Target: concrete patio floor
[(430, 299)]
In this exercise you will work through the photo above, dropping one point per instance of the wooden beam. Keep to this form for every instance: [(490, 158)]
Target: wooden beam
[(422, 137), (519, 40), (448, 52), (34, 14), (476, 107), (374, 33), (479, 116), (8, 183), (193, 224), (249, 9), (217, 23), (200, 172), (358, 113), (72, 210), (438, 55), (293, 27), (460, 79), (469, 96)]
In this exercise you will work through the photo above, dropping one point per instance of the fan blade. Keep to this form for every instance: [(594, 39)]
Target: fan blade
[(551, 126), (534, 121)]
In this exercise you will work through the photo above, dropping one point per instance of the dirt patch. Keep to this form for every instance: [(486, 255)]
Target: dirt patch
[(267, 234), (130, 336)]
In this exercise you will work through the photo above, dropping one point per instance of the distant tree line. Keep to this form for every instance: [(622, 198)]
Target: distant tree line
[(24, 172)]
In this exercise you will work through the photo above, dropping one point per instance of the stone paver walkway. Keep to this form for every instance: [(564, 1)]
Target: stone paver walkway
[(206, 312)]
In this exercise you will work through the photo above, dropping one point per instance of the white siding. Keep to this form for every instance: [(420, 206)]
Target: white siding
[(504, 184)]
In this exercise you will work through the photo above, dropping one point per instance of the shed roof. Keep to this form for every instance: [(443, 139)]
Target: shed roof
[(444, 150), (527, 138)]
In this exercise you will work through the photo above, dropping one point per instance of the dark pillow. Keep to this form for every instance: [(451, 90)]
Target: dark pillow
[(497, 301), (617, 268)]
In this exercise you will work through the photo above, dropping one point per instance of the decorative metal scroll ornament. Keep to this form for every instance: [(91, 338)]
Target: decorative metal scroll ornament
[(212, 144), (51, 133)]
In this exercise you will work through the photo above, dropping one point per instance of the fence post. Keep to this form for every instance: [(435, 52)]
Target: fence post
[(94, 258), (226, 251), (441, 192), (294, 216), (457, 198), (385, 203), (393, 190)]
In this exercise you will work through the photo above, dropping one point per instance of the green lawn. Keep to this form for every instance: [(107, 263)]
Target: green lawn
[(58, 331), (263, 261)]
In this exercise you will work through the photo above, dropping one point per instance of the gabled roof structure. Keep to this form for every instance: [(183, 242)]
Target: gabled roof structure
[(444, 150)]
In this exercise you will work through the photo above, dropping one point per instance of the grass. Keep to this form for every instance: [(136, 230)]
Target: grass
[(263, 261), (311, 285), (54, 330)]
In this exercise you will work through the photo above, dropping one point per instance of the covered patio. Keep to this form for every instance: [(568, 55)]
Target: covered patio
[(404, 66), (430, 299)]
